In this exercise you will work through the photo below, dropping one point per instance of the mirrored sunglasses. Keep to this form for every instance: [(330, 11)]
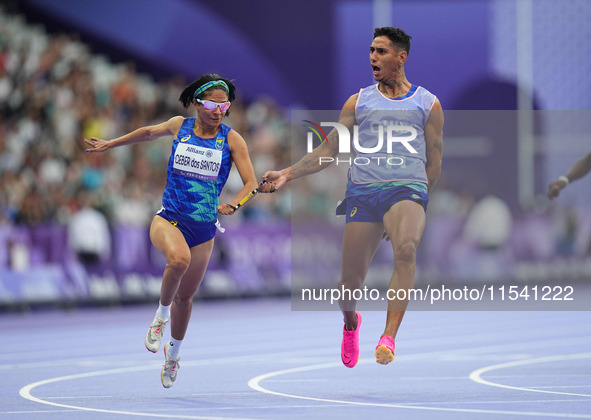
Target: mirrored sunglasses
[(211, 105)]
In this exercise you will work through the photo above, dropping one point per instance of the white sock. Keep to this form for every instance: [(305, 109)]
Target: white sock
[(163, 312), (174, 348)]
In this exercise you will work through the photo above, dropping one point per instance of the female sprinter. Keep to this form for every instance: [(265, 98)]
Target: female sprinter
[(203, 150)]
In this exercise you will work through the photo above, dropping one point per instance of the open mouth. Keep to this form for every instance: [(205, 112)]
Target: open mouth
[(375, 69)]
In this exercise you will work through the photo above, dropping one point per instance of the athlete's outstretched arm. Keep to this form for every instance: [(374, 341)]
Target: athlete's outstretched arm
[(434, 144), (147, 133), (310, 163)]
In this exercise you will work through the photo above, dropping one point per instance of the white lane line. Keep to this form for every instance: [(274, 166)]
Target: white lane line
[(255, 383), (476, 375), (560, 386), (25, 392)]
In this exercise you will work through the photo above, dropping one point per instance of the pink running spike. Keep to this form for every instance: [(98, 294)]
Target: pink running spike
[(350, 345), (385, 350)]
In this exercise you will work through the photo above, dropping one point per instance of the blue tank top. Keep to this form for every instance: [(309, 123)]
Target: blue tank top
[(198, 169), (399, 123)]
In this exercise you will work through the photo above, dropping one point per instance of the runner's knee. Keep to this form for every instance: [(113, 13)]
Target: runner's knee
[(405, 252), (350, 282), (183, 300), (179, 263)]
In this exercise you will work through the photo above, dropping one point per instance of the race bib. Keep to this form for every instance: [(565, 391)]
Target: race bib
[(197, 162)]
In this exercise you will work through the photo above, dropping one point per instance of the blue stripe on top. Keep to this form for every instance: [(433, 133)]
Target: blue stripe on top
[(188, 193)]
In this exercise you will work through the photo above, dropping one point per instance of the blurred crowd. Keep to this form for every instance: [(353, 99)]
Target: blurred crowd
[(54, 92)]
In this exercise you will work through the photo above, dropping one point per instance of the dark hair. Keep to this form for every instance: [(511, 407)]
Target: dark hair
[(397, 36), (186, 97)]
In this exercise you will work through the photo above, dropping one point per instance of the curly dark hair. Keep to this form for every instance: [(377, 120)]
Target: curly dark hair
[(397, 36), (186, 97)]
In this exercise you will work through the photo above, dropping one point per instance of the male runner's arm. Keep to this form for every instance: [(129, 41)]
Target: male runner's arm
[(434, 144), (310, 163)]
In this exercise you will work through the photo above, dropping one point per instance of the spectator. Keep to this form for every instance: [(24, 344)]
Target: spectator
[(88, 233)]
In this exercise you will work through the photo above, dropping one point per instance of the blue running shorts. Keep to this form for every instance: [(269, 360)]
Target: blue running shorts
[(372, 207), (195, 233)]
